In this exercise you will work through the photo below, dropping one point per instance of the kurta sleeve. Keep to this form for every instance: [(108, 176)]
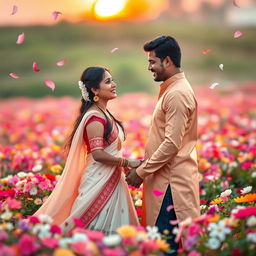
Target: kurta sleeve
[(177, 107)]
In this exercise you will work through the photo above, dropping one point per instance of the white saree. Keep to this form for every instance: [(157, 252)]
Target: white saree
[(103, 201)]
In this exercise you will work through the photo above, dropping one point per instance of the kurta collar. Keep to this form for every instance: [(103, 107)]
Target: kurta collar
[(168, 82)]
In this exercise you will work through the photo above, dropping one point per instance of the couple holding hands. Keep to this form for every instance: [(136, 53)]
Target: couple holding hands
[(93, 186)]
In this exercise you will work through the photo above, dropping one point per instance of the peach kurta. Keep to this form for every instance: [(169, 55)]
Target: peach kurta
[(170, 153)]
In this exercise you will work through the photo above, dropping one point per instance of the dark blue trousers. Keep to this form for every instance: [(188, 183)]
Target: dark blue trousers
[(163, 221)]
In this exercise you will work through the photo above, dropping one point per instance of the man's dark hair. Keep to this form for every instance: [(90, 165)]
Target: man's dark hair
[(165, 46)]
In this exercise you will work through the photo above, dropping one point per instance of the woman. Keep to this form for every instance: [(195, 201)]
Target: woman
[(92, 186)]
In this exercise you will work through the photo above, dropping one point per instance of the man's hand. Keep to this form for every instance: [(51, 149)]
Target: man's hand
[(133, 179)]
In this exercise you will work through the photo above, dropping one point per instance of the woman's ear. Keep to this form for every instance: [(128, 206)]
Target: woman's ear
[(95, 91)]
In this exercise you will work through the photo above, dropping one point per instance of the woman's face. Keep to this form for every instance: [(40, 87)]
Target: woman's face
[(107, 89)]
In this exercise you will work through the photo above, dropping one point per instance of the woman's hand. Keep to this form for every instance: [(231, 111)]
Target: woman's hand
[(134, 163)]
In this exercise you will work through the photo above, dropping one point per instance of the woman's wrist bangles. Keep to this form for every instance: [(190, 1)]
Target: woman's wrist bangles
[(123, 162)]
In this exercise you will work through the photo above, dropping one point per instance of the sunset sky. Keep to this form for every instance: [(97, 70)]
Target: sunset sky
[(39, 11)]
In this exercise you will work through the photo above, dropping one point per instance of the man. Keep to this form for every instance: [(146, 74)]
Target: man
[(170, 164)]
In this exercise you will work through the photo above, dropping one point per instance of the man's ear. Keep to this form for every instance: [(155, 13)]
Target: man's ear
[(168, 62)]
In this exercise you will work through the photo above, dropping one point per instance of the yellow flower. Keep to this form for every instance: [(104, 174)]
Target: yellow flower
[(127, 231), (56, 147), (56, 168), (215, 218), (38, 201), (162, 244), (246, 199), (63, 252), (138, 203), (216, 201), (30, 199), (93, 248)]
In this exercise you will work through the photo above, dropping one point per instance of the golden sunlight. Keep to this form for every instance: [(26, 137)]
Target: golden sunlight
[(109, 8)]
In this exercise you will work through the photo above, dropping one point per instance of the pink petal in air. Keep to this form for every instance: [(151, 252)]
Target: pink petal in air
[(13, 75), (170, 207), (157, 193), (55, 14), (14, 10), (235, 4), (237, 34), (173, 222), (20, 39), (113, 50), (35, 67), (61, 63), (206, 51), (50, 84)]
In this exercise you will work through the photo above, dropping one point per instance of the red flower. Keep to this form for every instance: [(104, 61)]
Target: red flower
[(139, 212), (55, 229), (236, 252), (50, 177)]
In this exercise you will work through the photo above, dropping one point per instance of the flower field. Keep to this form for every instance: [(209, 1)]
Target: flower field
[(32, 133)]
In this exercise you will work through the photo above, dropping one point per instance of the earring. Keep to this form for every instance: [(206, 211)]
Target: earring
[(95, 98)]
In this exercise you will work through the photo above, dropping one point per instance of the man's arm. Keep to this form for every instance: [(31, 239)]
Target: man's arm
[(177, 110)]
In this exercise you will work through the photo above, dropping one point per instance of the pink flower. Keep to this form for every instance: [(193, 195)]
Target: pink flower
[(79, 247), (3, 236), (78, 222), (246, 165), (27, 245), (94, 235), (194, 253), (194, 230), (50, 242), (33, 219), (246, 212), (13, 204)]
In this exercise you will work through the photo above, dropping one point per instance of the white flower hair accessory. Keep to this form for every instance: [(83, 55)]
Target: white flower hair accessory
[(84, 91)]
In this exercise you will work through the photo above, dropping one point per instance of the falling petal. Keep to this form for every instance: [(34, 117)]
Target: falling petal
[(235, 4), (113, 50), (206, 51), (13, 75), (237, 34), (173, 222), (157, 193), (14, 10), (50, 84), (35, 67), (170, 207), (214, 85), (221, 66), (20, 39), (61, 63), (56, 14)]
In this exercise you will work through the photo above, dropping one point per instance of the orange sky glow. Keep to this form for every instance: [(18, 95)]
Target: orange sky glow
[(39, 11)]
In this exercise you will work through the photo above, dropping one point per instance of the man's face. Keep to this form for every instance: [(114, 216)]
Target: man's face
[(156, 66)]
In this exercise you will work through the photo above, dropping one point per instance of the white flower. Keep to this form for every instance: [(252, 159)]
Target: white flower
[(22, 174), (64, 242), (246, 190), (219, 230), (235, 210), (251, 237), (112, 240), (38, 201), (6, 215), (251, 221), (84, 91), (33, 191), (44, 231), (45, 218), (254, 175), (227, 192), (203, 206), (213, 243), (37, 168), (175, 231), (138, 202), (79, 237), (152, 232)]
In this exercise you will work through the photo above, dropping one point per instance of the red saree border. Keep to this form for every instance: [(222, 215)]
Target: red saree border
[(99, 202)]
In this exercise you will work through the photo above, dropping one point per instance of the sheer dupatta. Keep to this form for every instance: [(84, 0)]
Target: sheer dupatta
[(58, 205)]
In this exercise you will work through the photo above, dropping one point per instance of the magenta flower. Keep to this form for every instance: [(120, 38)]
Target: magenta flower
[(50, 242), (13, 204), (27, 244)]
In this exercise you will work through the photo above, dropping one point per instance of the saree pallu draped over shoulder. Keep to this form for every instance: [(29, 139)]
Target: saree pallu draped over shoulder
[(91, 191)]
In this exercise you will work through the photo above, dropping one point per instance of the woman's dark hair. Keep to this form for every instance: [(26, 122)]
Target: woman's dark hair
[(165, 46), (91, 78)]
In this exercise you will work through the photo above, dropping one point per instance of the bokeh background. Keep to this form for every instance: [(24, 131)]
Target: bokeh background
[(87, 30)]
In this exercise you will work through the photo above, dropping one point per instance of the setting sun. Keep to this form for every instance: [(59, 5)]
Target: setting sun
[(109, 8)]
